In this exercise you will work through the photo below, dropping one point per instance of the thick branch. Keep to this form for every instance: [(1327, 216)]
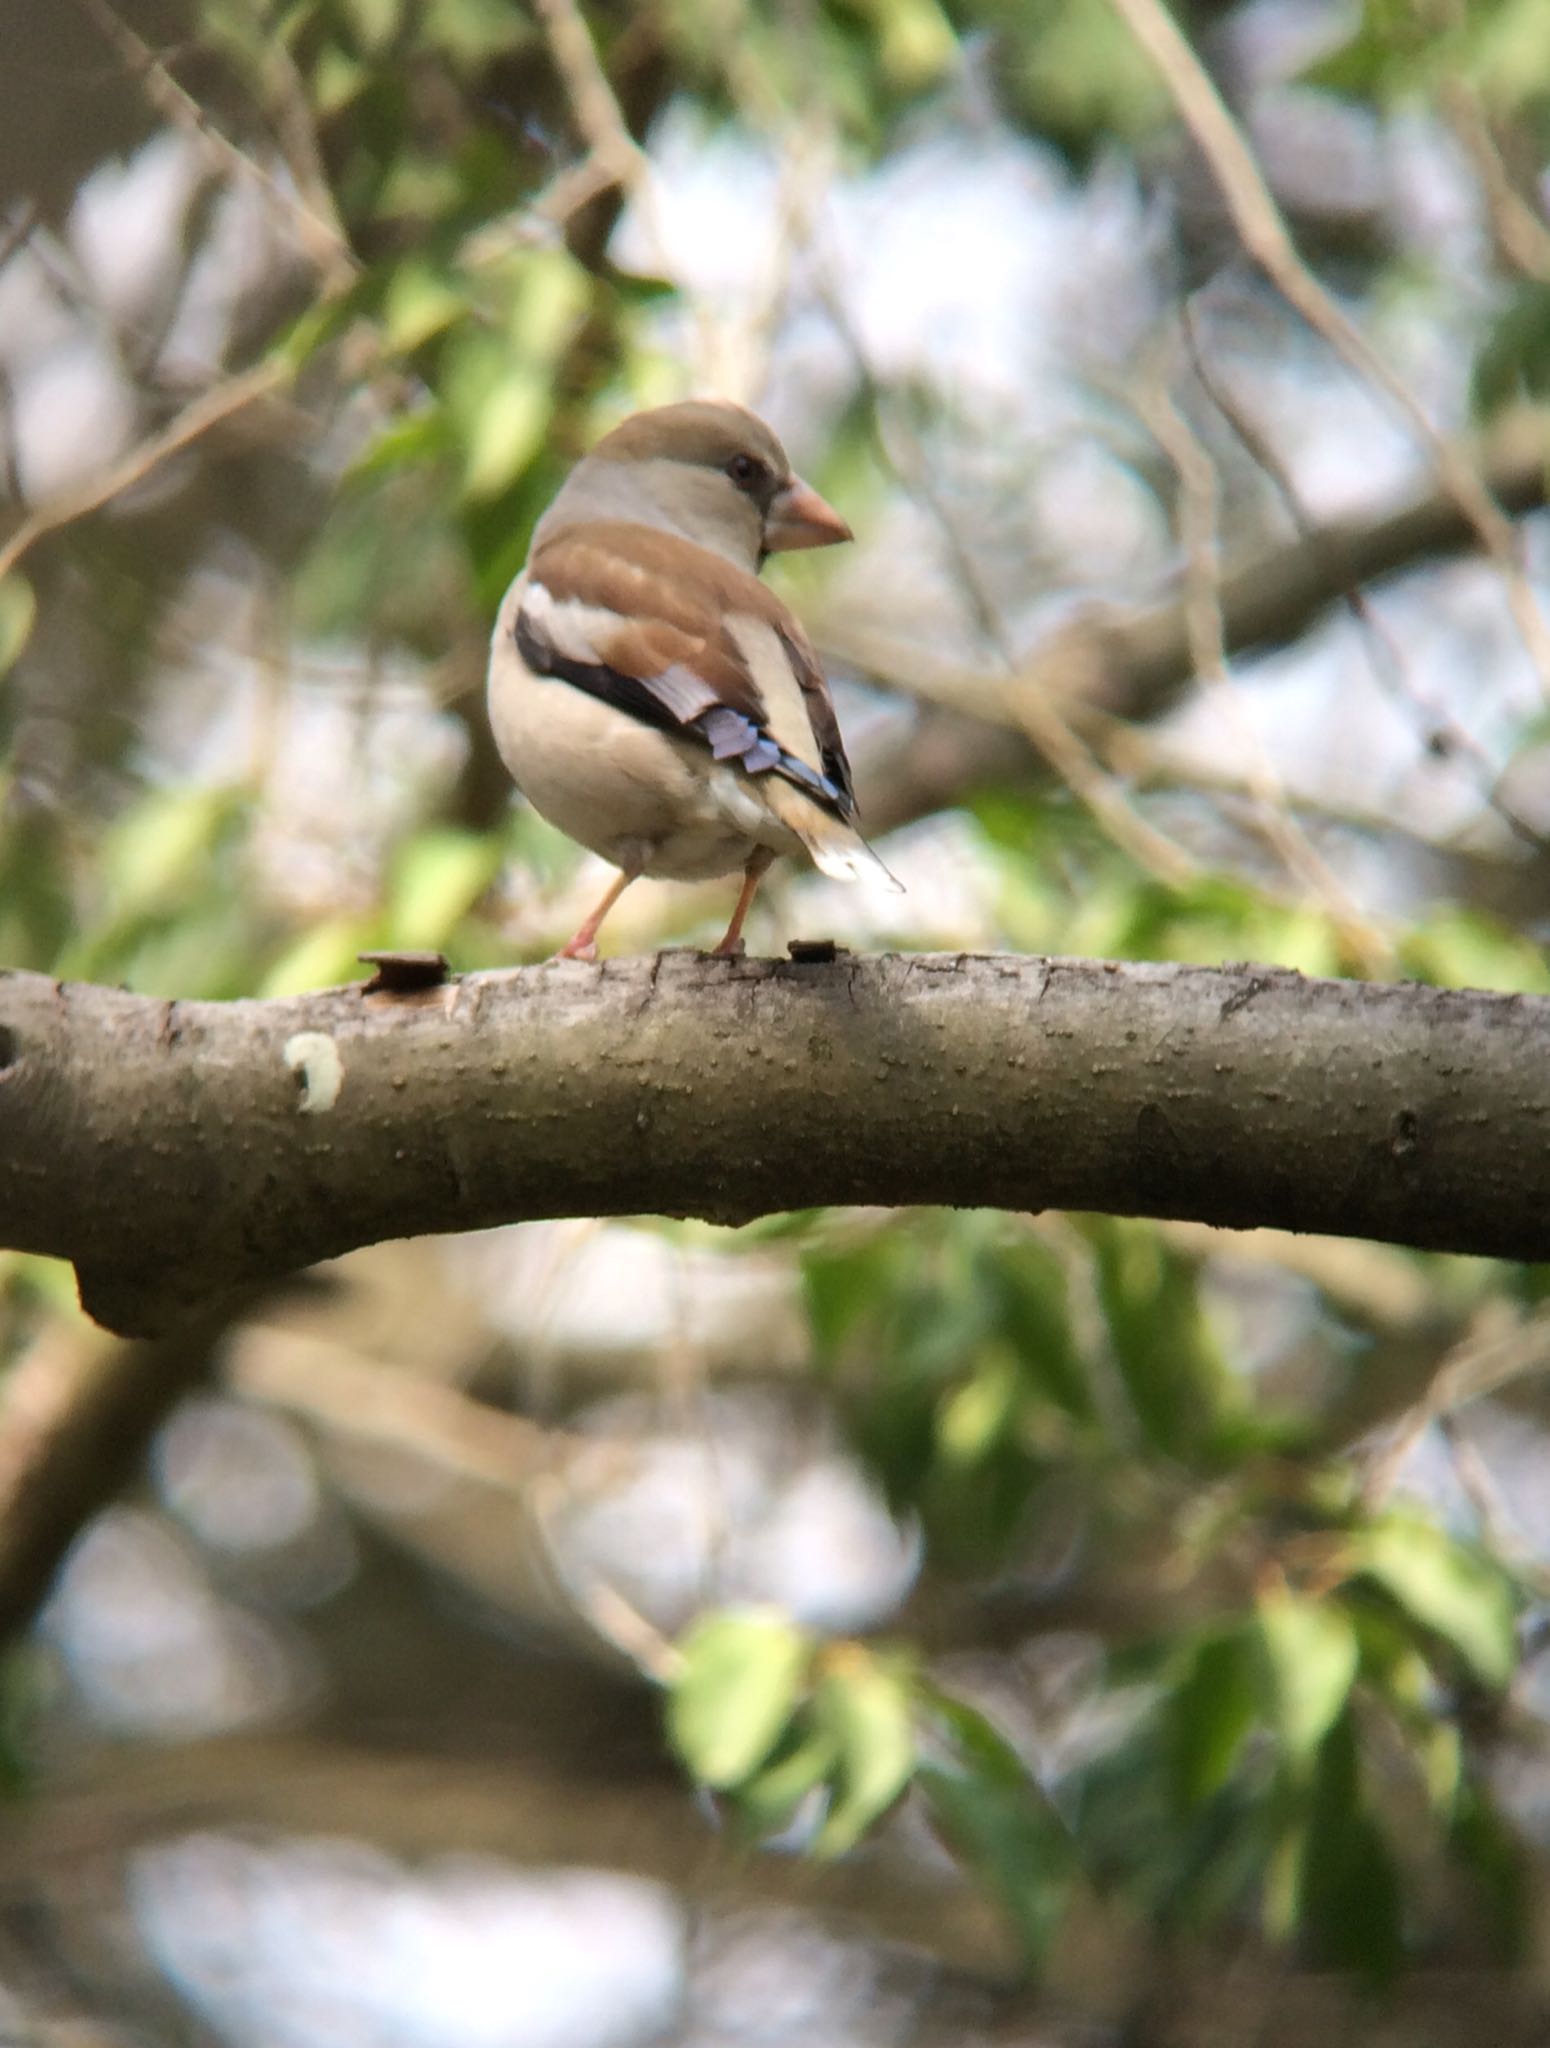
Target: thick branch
[(176, 1150)]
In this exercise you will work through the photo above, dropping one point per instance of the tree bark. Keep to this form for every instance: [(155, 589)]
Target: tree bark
[(175, 1150)]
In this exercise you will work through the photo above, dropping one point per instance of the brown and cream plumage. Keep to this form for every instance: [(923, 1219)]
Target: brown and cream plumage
[(649, 695)]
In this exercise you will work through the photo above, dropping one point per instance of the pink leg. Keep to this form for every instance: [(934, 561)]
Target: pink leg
[(584, 945), (732, 939)]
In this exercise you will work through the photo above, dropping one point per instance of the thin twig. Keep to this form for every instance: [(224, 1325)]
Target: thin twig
[(1265, 235), (313, 214), (1198, 525), (614, 1618), (1483, 1494), (1477, 1367), (537, 222), (1442, 732), (610, 145), (304, 158), (18, 232), (598, 113), (1148, 761), (1024, 697), (1521, 236), (206, 411)]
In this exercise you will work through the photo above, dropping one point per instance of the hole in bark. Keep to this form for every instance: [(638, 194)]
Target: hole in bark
[(10, 1049), (1404, 1133)]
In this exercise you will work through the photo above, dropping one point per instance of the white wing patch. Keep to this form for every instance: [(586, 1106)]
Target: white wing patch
[(573, 629), (580, 632)]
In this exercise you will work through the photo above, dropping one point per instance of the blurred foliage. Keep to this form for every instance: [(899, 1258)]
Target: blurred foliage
[(1268, 1756), (1398, 51), (1297, 1742)]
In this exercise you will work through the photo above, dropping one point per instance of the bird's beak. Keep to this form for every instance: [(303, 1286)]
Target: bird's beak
[(799, 518)]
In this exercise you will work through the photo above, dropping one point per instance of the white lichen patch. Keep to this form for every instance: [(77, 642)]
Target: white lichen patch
[(313, 1058)]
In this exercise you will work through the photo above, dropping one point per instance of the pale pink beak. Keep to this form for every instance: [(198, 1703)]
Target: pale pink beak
[(799, 518)]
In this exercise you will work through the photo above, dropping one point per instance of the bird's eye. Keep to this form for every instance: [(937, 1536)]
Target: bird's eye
[(745, 471)]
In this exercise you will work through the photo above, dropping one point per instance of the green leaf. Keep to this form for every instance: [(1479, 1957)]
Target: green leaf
[(867, 1711), (150, 856), (1448, 1588), (1029, 1285), (374, 21), (976, 1738), (1439, 1754), (420, 302), (497, 406), (1311, 1656), (916, 44), (1350, 1901), (551, 296), (1464, 949), (325, 956), (407, 442), (975, 1415), (1208, 1715), (507, 432), (474, 31), (1399, 52), (741, 1678), (999, 1820), (1363, 64), (842, 1280), (1511, 50), (1075, 70), (337, 78), (1166, 1355), (317, 326), (18, 609), (768, 1800), (1497, 1860), (437, 878), (26, 1694)]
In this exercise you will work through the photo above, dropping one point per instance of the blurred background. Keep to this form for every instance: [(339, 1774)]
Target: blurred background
[(858, 1628)]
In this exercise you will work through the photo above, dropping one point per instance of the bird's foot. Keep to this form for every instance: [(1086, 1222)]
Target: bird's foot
[(729, 949), (580, 948)]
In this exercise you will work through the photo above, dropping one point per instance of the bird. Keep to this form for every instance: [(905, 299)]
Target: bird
[(647, 693)]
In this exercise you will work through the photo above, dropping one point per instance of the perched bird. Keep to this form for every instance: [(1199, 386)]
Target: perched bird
[(647, 692)]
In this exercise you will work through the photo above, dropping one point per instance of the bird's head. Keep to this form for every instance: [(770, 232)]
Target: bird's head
[(707, 470)]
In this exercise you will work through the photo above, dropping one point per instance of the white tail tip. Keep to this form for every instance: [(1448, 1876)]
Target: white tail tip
[(852, 860)]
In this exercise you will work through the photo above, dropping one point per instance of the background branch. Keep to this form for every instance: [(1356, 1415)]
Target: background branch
[(76, 1414), (1139, 664)]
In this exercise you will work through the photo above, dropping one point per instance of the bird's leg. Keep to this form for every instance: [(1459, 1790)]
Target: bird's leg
[(732, 939), (584, 945)]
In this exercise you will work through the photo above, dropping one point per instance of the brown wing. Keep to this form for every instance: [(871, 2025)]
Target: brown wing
[(637, 618)]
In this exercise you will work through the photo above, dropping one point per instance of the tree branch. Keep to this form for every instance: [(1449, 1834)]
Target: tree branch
[(1138, 664), (421, 1803), (174, 1151), (1265, 235), (76, 1413)]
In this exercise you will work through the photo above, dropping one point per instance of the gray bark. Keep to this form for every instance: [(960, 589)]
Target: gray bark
[(176, 1151)]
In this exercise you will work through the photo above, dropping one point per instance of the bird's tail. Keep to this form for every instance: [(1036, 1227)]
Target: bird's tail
[(836, 848), (844, 854)]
